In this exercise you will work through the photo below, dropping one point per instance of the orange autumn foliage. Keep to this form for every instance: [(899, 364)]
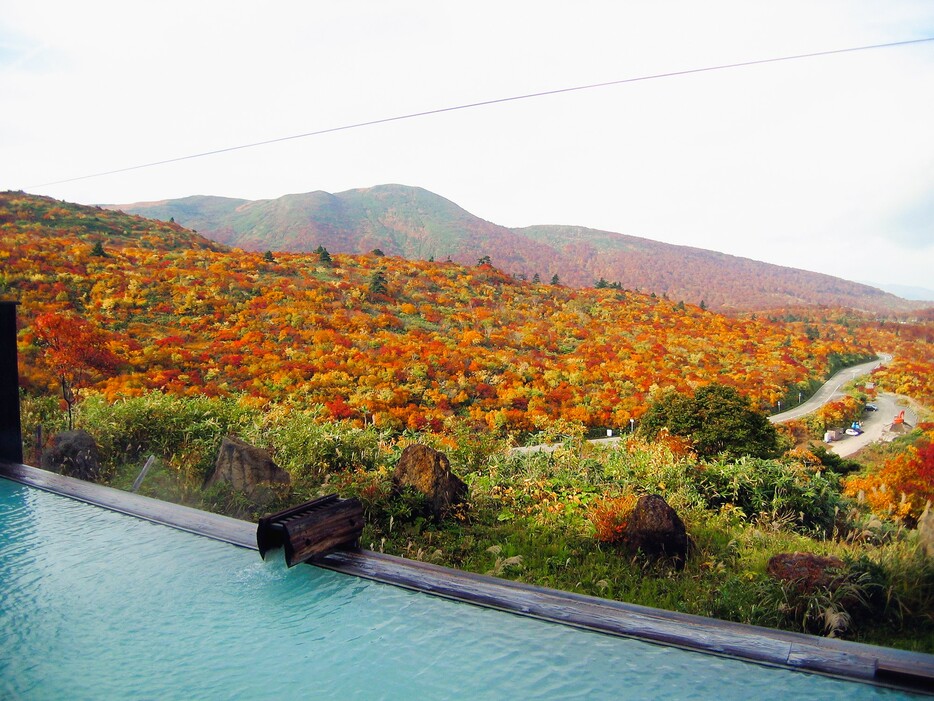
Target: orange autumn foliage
[(609, 517), (904, 485)]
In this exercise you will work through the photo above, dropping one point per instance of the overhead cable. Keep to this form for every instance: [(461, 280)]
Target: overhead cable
[(485, 103)]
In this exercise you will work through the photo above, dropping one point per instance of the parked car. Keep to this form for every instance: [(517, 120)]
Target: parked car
[(872, 407)]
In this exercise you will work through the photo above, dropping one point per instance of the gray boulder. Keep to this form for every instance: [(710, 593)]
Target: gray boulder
[(926, 531), (245, 468), (806, 571), (75, 454), (429, 472)]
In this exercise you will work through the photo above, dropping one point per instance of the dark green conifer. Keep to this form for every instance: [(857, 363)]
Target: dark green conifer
[(323, 256), (378, 282)]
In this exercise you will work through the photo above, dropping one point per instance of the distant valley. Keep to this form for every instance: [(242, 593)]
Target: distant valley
[(417, 224)]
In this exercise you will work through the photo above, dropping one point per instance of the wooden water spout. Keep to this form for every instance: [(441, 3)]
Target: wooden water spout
[(313, 528)]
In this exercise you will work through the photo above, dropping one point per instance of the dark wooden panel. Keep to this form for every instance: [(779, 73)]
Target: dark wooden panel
[(11, 437)]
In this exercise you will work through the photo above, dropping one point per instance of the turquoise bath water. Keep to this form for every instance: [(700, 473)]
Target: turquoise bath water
[(98, 605)]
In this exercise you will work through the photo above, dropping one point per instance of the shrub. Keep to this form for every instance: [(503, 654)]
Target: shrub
[(824, 610), (717, 419), (832, 461), (609, 517), (840, 412), (775, 489), (308, 449), (656, 468), (40, 411)]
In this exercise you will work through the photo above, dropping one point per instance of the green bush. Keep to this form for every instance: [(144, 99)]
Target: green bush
[(832, 461), (717, 419), (311, 450), (653, 468), (808, 500)]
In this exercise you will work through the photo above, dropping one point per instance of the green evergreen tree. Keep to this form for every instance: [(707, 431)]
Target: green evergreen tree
[(536, 279), (555, 280), (268, 257), (378, 282), (99, 251), (323, 256)]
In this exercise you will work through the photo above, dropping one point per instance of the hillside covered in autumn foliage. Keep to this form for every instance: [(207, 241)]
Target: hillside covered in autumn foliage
[(378, 339), (416, 224)]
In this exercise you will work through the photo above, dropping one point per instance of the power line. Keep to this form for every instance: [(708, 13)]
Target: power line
[(485, 103)]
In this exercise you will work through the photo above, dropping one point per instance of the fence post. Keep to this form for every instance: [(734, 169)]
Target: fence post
[(11, 433)]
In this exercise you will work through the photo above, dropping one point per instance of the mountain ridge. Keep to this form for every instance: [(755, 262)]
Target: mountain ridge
[(415, 223)]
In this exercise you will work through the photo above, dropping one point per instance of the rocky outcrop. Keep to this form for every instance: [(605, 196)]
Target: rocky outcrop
[(429, 472), (926, 531), (805, 571), (245, 468), (73, 453), (654, 529)]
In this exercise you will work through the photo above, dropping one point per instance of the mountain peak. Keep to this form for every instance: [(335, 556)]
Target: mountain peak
[(413, 222)]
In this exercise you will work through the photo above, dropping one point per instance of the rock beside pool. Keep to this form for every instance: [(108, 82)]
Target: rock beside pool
[(73, 453), (655, 529), (246, 469), (926, 531), (806, 571), (428, 471)]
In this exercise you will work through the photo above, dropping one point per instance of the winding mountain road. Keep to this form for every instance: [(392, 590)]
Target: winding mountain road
[(874, 423), (830, 390)]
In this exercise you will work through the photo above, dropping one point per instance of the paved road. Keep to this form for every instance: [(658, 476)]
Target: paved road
[(874, 424), (830, 390)]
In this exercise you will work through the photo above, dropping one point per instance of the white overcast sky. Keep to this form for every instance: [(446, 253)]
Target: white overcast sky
[(825, 164)]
